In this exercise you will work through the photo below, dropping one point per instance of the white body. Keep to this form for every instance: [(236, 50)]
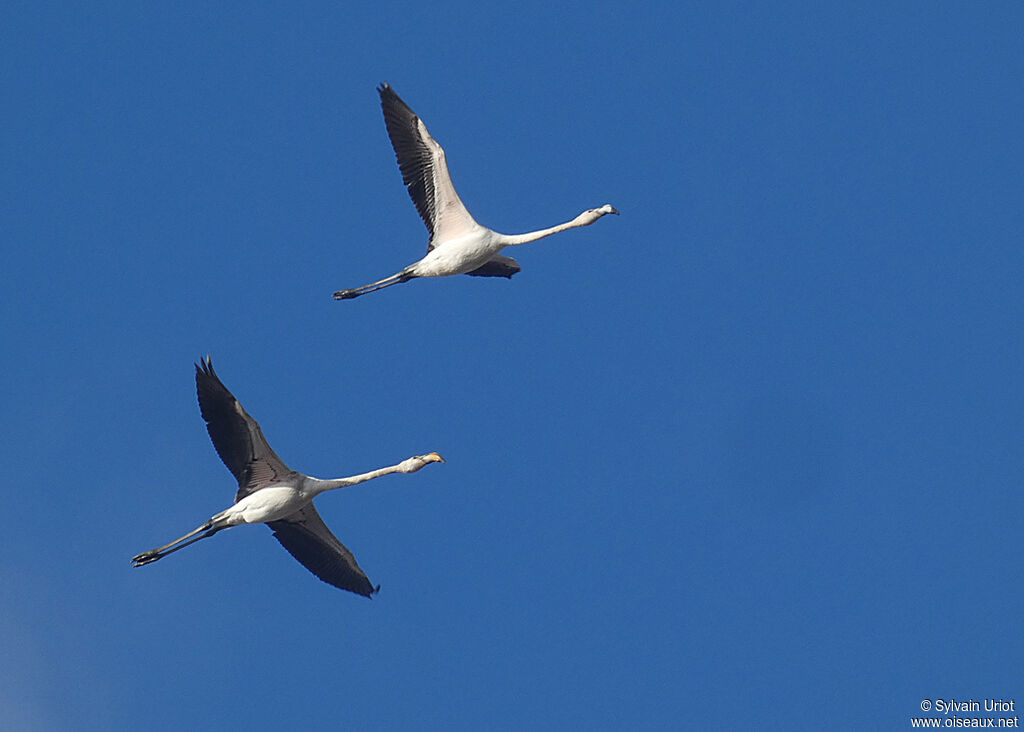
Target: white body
[(461, 255), (272, 503)]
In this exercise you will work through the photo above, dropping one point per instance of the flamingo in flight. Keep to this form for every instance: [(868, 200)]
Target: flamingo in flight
[(458, 244), (272, 493)]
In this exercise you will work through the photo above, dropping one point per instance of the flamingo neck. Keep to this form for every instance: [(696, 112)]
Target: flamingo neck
[(513, 239), (321, 486)]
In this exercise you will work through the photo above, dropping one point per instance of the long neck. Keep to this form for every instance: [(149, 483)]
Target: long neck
[(319, 486), (512, 239)]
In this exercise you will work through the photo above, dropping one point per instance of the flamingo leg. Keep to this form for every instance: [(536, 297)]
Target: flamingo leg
[(152, 555), (395, 279)]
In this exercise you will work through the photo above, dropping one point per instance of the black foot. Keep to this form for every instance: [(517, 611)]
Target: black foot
[(145, 558), (346, 294)]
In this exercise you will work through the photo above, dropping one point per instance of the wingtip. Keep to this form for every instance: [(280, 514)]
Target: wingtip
[(205, 365)]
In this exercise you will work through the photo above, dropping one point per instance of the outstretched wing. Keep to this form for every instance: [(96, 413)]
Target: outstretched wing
[(307, 538), (424, 170), (236, 436), (497, 266)]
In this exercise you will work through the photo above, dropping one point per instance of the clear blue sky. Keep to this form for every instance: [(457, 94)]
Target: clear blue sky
[(747, 456)]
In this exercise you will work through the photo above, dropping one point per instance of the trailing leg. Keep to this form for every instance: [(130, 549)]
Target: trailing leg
[(395, 279), (190, 538)]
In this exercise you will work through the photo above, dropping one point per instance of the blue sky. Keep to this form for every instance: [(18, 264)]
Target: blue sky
[(747, 456)]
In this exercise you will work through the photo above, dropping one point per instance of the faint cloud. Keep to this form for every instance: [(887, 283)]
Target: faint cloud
[(782, 447)]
